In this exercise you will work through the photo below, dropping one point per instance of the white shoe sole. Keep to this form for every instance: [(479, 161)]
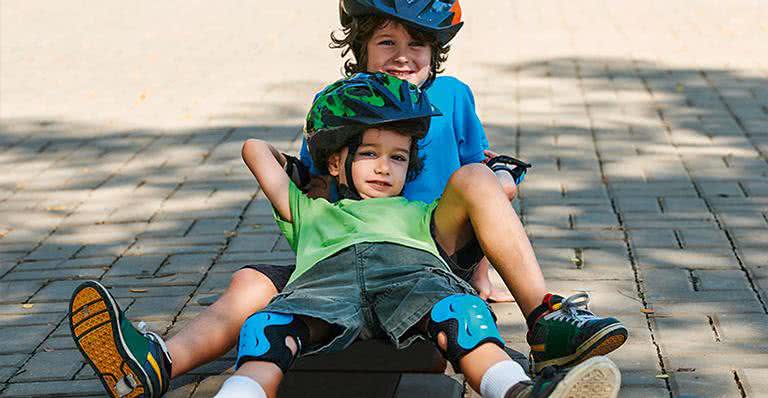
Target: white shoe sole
[(597, 377)]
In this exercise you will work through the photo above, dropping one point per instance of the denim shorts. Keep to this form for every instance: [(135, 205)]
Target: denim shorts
[(462, 262), (369, 290)]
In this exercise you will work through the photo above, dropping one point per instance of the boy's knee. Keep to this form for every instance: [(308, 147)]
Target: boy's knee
[(252, 280), (507, 185), (268, 337), (244, 277), (463, 322), (472, 177)]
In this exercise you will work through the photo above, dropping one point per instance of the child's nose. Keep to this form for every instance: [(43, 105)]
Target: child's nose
[(382, 167), (402, 55)]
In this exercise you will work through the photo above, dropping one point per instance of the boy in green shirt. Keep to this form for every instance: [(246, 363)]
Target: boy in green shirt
[(368, 266)]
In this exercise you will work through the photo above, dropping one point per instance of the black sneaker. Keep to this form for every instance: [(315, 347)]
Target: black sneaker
[(597, 377), (564, 332), (129, 362)]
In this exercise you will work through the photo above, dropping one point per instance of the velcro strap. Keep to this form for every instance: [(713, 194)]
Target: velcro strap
[(262, 338), (515, 167)]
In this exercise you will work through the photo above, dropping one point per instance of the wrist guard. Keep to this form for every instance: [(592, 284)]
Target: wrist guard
[(515, 167), (297, 171)]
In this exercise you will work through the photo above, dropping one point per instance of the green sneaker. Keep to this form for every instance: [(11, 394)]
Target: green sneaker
[(130, 363), (563, 332), (597, 377)]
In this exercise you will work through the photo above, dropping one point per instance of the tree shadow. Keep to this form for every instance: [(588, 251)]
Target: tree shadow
[(666, 165), (649, 186)]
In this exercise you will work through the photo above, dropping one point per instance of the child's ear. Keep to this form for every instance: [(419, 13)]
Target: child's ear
[(333, 164)]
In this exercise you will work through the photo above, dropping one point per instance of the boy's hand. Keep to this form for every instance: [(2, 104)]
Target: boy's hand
[(489, 154)]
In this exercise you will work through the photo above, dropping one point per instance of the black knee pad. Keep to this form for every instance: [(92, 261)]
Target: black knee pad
[(467, 322), (262, 338)]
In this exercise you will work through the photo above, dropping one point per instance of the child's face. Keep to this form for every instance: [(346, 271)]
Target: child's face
[(380, 164), (393, 51)]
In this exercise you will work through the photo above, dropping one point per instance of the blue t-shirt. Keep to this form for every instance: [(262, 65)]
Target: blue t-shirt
[(453, 140)]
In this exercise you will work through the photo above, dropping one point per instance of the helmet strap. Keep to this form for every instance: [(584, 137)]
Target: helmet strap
[(349, 191), (430, 79)]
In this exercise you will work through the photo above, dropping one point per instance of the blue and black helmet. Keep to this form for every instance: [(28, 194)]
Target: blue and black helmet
[(439, 17), (344, 109)]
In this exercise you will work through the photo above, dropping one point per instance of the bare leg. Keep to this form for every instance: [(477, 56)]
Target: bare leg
[(481, 281), (268, 375), (215, 331), (476, 362), (475, 203), (598, 376)]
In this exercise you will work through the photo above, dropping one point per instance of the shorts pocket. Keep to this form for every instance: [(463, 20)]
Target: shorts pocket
[(453, 279)]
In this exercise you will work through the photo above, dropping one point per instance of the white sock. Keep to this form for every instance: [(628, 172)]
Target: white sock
[(499, 378), (241, 387)]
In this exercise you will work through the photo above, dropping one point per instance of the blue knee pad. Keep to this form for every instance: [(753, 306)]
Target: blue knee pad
[(262, 338), (466, 321)]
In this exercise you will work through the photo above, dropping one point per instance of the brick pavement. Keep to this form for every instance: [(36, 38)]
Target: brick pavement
[(647, 123)]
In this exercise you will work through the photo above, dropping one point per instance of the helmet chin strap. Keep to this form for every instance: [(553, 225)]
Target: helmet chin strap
[(349, 191)]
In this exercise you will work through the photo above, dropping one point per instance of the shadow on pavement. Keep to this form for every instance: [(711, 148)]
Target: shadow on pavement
[(649, 188)]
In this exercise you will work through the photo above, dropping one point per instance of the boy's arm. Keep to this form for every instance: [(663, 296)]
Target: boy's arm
[(467, 126), (266, 163)]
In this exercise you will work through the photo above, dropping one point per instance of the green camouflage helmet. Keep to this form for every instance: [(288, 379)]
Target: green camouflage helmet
[(347, 107)]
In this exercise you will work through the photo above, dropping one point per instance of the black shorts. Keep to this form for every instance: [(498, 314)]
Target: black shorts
[(278, 274), (462, 262)]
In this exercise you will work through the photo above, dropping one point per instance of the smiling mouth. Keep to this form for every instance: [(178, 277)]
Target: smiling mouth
[(399, 73), (379, 185)]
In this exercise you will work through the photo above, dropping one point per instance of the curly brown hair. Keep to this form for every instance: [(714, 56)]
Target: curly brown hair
[(356, 35)]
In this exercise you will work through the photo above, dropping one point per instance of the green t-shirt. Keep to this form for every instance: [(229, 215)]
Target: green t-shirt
[(321, 229)]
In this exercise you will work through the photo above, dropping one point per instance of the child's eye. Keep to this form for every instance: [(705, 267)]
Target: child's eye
[(400, 158), (387, 43), (418, 44), (366, 154)]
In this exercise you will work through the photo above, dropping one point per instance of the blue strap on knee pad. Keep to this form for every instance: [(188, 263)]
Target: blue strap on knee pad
[(467, 322), (262, 338)]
